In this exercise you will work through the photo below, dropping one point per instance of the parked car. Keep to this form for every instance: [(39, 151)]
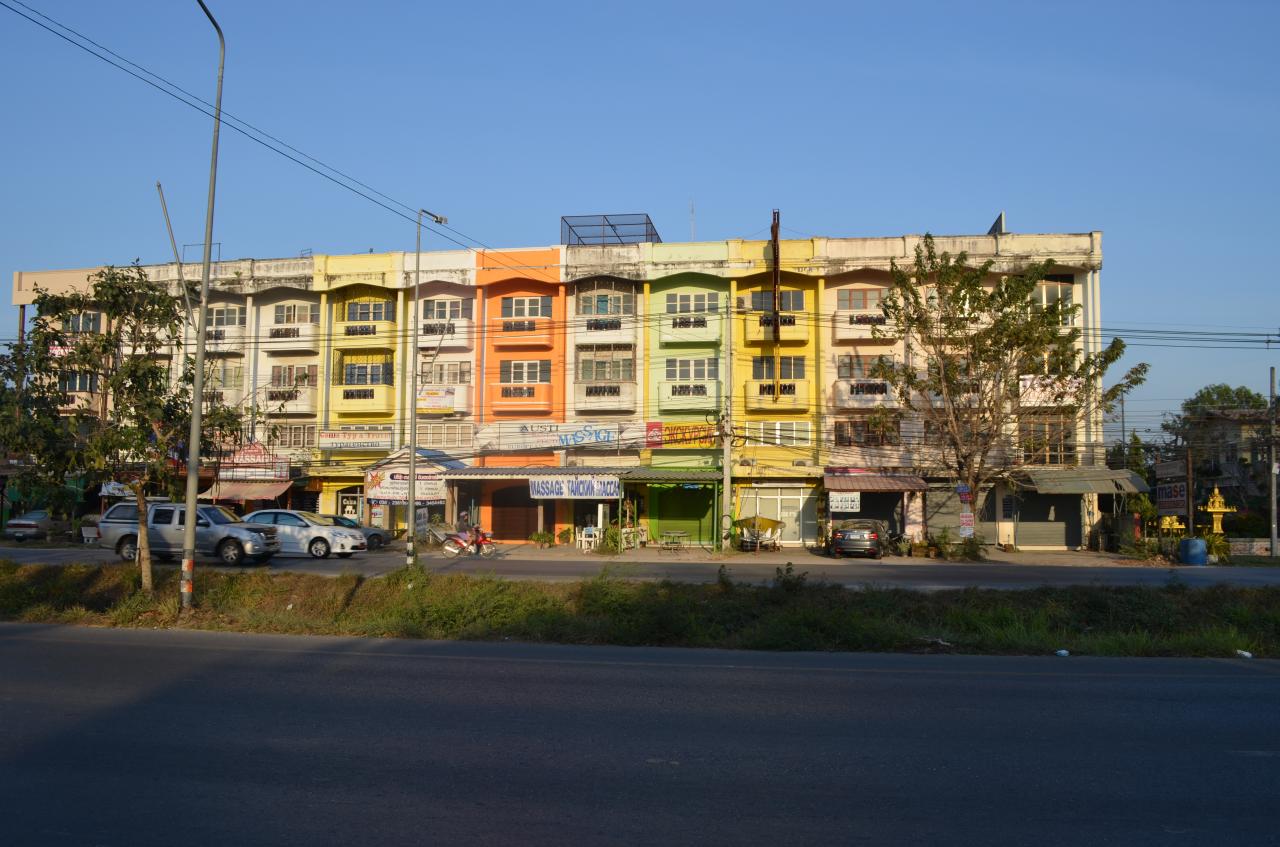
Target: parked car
[(35, 524), (309, 533), (857, 537), (374, 537), (219, 533)]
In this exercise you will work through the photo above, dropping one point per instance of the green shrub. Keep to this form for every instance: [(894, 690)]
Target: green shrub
[(545, 539), (566, 535)]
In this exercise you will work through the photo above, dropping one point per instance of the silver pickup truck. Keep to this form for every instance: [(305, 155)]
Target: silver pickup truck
[(219, 534)]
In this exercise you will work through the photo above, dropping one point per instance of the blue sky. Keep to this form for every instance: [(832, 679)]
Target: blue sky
[(1153, 122)]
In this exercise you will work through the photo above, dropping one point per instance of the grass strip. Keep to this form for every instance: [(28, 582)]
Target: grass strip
[(793, 613)]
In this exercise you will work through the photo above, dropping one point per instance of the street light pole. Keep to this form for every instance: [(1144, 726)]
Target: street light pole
[(197, 385), (411, 548)]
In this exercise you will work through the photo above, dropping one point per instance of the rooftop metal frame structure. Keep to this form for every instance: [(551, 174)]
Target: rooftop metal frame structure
[(634, 228)]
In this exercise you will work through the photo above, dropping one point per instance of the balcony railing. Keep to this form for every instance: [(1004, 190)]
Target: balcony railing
[(362, 399), (861, 325), (785, 395), (529, 398), (521, 332), (296, 399), (605, 396), (446, 333), (692, 328), (291, 338), (863, 393), (702, 395), (380, 334), (792, 327)]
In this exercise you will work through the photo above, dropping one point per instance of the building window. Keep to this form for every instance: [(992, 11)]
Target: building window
[(84, 322), (683, 304), (367, 370), (370, 310), (1056, 291), (446, 309), (779, 433), (1048, 440), (446, 373), (294, 376), (693, 370), (606, 298), (880, 431), (789, 367), (445, 434), (78, 381), (295, 435), (859, 367), (526, 307), (224, 375), (516, 372), (860, 299), (220, 316), (789, 300), (606, 363), (297, 313)]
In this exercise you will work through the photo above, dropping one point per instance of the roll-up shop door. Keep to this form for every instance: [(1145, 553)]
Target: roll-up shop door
[(1048, 520), (942, 508)]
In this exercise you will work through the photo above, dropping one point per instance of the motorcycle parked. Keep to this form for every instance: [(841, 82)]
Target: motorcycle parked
[(460, 542)]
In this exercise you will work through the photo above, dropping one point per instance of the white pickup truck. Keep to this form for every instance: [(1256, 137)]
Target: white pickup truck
[(219, 534)]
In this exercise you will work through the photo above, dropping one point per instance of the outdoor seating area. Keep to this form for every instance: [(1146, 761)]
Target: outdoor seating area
[(759, 533), (588, 538)]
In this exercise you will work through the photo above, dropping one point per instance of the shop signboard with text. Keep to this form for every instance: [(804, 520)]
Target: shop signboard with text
[(687, 436), (390, 485), (520, 435), (575, 487), (1171, 488), (844, 501), (353, 439)]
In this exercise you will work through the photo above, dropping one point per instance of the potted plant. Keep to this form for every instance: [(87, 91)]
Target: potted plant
[(542, 539), (565, 535), (89, 529)]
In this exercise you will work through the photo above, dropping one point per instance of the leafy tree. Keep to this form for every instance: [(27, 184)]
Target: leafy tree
[(990, 364), (132, 419), (1190, 424)]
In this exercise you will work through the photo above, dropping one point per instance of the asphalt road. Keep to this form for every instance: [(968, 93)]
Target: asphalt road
[(136, 737), (916, 574)]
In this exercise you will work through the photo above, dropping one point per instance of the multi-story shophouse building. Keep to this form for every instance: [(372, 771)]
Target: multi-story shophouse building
[(561, 385)]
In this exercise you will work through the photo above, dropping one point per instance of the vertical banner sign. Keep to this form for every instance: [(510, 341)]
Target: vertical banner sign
[(966, 510), (1171, 488)]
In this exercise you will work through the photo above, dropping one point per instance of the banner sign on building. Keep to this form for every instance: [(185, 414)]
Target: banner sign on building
[(254, 463), (517, 435), (1171, 498), (680, 435), (436, 398), (577, 487), (353, 439), (391, 485), (844, 501)]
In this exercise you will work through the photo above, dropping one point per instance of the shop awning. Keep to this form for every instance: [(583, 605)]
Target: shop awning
[(873, 482), (241, 491), (1082, 481)]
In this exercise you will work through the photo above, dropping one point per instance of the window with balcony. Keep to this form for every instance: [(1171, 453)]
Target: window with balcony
[(293, 377), (684, 304), (1048, 440), (1057, 289), (693, 370), (445, 435), (297, 313), (222, 316), (446, 309), (877, 431), (223, 376), (78, 381), (789, 300), (860, 299), (606, 363), (779, 433), (606, 298), (526, 307), (788, 367), (366, 370), (83, 322), (359, 311), (519, 372), (296, 435), (860, 367), (445, 373)]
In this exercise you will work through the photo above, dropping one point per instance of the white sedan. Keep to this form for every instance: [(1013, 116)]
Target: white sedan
[(309, 533)]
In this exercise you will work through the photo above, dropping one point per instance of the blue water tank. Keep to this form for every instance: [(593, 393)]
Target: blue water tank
[(1193, 551)]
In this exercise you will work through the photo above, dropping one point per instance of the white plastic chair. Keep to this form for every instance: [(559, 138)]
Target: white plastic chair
[(587, 538)]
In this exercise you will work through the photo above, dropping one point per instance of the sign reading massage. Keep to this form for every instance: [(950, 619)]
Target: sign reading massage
[(584, 487), (514, 435)]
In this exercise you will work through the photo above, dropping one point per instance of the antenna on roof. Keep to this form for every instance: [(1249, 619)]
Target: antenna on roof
[(998, 228)]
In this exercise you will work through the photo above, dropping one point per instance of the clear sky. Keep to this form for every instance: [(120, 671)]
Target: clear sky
[(1156, 123)]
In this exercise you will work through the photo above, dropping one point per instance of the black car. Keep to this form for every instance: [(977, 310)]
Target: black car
[(857, 537)]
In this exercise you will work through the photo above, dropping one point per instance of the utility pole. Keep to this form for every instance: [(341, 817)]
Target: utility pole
[(1124, 436), (1191, 494), (1271, 455), (197, 386), (726, 422), (411, 548)]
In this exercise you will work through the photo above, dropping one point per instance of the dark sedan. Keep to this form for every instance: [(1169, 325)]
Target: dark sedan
[(857, 537)]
